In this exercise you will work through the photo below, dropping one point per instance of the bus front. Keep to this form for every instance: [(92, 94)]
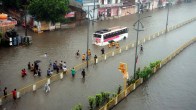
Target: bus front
[(97, 39)]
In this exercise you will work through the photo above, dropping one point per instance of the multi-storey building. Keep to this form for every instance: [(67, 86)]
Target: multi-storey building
[(109, 8), (89, 6), (128, 7)]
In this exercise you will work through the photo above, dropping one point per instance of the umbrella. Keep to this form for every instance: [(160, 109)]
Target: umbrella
[(37, 61)]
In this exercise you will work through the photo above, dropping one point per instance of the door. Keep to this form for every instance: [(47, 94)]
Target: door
[(109, 12)]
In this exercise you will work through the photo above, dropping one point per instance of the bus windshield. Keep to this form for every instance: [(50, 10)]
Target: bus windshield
[(97, 35)]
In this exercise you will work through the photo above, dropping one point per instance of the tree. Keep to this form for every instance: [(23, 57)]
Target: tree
[(48, 10), (14, 4)]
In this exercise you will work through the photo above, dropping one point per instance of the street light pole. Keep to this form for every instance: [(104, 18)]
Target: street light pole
[(138, 26), (138, 22), (93, 12), (167, 17), (87, 39), (25, 21)]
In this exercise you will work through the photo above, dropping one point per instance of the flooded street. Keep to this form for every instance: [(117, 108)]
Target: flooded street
[(63, 44), (172, 88)]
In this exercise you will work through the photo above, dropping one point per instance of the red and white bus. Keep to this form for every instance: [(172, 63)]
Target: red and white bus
[(105, 36)]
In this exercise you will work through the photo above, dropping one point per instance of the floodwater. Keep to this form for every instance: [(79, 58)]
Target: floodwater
[(172, 88), (63, 44)]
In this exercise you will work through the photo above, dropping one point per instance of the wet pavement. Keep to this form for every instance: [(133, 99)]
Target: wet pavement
[(62, 45)]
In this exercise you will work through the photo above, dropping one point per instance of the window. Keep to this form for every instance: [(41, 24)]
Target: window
[(102, 2), (107, 36), (112, 34), (109, 1), (97, 35)]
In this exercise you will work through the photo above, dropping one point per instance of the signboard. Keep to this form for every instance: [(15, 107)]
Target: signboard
[(70, 15), (8, 23)]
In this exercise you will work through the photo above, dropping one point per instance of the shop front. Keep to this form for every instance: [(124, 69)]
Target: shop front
[(128, 10), (109, 10), (114, 11)]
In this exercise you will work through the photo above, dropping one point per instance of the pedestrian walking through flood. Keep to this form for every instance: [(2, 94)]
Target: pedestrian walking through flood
[(141, 48), (95, 59), (73, 72), (83, 73), (102, 51)]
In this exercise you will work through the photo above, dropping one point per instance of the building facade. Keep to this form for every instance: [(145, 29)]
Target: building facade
[(88, 6), (128, 7), (109, 8)]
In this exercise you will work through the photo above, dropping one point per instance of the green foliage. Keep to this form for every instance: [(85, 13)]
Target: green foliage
[(105, 96), (91, 101), (78, 107), (145, 72), (64, 21), (98, 100), (15, 4), (153, 64), (137, 73), (113, 95), (48, 10), (148, 70), (131, 81)]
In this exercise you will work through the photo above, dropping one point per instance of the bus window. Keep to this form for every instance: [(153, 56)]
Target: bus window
[(121, 31), (104, 36), (97, 35), (115, 34), (107, 36), (124, 31)]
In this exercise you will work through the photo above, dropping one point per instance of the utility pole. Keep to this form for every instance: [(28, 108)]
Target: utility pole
[(167, 17), (93, 13), (138, 26), (25, 20), (138, 23), (87, 58)]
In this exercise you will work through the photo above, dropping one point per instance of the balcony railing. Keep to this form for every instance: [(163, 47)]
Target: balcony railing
[(111, 5), (90, 1)]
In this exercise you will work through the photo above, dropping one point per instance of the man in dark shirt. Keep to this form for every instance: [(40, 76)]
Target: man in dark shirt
[(5, 91), (83, 73)]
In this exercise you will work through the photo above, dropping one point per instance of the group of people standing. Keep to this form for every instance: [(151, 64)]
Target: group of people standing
[(56, 67), (35, 68), (112, 44), (85, 57)]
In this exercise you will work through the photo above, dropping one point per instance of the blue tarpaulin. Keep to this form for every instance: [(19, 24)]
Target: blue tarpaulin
[(80, 1)]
